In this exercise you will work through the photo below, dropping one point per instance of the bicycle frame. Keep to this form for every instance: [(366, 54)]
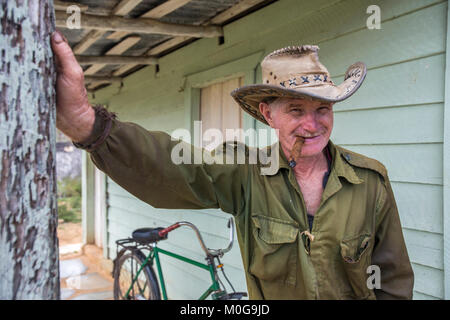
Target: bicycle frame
[(154, 255), (211, 254)]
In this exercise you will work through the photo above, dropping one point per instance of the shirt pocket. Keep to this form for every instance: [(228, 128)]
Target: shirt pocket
[(356, 256), (274, 257)]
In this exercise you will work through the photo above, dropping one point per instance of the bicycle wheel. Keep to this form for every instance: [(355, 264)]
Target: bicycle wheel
[(144, 288)]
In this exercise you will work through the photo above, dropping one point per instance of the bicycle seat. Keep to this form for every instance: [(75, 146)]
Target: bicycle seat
[(148, 235)]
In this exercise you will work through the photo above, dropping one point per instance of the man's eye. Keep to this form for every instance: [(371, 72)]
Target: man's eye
[(323, 109)]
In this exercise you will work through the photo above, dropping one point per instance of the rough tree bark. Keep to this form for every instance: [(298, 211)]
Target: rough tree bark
[(29, 266)]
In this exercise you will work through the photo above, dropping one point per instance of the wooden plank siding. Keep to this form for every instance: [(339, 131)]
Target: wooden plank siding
[(395, 117), (398, 115)]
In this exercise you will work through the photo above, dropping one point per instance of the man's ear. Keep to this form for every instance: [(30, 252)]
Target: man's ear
[(264, 108)]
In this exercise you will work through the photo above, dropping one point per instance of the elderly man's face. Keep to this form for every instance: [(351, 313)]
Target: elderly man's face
[(312, 120)]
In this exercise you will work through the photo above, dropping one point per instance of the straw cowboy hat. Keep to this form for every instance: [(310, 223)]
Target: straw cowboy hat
[(295, 72)]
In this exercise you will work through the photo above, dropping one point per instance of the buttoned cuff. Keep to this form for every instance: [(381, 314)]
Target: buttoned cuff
[(101, 130)]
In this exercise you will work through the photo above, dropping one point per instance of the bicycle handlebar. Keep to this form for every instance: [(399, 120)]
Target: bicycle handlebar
[(230, 226), (213, 252)]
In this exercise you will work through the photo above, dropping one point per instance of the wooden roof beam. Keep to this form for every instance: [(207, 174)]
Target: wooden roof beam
[(141, 25), (152, 52), (164, 9), (219, 19), (116, 59), (62, 6), (238, 8), (102, 79), (155, 13), (87, 41), (123, 8), (118, 49), (175, 41)]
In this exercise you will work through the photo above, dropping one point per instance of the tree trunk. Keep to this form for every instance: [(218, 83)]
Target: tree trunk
[(29, 266)]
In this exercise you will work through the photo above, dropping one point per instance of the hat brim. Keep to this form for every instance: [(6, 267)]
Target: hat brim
[(250, 96)]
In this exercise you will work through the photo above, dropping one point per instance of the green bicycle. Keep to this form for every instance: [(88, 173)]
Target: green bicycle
[(135, 279)]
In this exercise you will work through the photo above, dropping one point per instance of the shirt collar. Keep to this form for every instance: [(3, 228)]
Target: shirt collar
[(340, 163)]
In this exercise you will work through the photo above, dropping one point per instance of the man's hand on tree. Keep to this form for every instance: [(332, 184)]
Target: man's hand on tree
[(74, 115)]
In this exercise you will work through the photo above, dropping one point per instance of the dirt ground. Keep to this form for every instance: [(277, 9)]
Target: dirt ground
[(69, 233)]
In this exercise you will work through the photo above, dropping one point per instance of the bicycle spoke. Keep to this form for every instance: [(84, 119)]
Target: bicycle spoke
[(135, 281), (132, 276)]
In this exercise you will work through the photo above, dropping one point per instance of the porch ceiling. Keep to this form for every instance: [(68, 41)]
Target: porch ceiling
[(113, 33)]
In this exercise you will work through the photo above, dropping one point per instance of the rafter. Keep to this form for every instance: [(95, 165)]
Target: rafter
[(164, 9), (238, 8), (87, 41), (141, 26), (115, 59), (102, 79), (116, 50), (122, 8), (152, 52), (219, 19), (62, 6), (125, 7), (155, 13)]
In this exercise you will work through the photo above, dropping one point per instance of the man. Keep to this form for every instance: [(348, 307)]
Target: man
[(310, 230)]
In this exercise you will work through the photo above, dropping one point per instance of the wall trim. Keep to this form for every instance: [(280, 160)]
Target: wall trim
[(87, 199), (446, 165)]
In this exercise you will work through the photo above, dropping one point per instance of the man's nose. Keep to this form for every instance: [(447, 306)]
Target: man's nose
[(309, 122)]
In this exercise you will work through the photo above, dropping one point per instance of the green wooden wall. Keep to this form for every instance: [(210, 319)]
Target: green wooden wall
[(396, 117)]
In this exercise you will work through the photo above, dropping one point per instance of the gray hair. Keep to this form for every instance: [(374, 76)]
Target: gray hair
[(269, 100)]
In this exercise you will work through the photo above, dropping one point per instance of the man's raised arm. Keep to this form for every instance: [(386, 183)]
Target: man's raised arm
[(137, 159)]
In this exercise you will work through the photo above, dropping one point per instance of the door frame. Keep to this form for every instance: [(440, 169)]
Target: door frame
[(94, 204)]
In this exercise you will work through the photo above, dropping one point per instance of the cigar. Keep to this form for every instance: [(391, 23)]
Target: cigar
[(296, 151)]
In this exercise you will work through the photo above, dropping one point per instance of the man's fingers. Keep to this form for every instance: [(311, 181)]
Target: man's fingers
[(66, 61)]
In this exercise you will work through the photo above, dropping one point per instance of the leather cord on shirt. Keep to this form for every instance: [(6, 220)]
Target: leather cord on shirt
[(102, 127)]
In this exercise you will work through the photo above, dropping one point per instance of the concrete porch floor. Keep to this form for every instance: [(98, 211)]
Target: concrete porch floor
[(84, 273)]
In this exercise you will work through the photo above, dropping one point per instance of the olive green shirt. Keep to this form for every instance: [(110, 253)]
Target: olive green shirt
[(357, 224)]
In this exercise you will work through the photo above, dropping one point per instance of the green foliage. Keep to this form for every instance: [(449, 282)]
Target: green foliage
[(69, 199), (68, 214), (69, 187)]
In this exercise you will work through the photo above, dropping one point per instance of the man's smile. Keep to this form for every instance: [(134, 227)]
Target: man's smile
[(312, 139)]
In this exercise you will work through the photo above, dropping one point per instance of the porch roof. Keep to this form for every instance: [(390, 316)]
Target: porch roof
[(118, 37)]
